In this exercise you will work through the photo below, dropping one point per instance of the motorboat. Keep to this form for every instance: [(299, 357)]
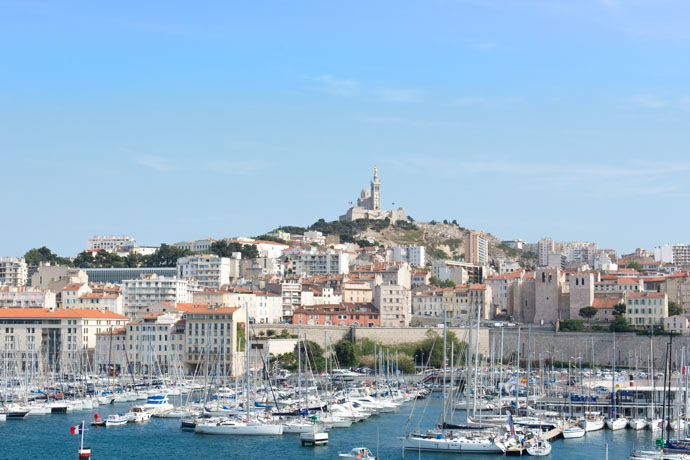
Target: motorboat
[(573, 432), (116, 420), (137, 414), (540, 448), (360, 453), (158, 404)]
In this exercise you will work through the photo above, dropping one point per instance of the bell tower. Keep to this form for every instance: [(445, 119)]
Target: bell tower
[(376, 191)]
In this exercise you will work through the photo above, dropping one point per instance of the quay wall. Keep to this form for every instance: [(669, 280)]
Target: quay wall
[(631, 349), (381, 335)]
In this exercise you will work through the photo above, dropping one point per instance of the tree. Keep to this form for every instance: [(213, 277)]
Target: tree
[(166, 256), (619, 309), (432, 348), (571, 325), (314, 358), (224, 249), (635, 266), (345, 353), (588, 313), (34, 257), (674, 309), (620, 324)]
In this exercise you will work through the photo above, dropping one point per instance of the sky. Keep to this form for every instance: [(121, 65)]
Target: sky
[(172, 120)]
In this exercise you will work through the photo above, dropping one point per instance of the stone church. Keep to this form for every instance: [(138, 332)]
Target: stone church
[(369, 204)]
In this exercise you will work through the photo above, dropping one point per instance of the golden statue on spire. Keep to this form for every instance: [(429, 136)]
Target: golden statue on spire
[(376, 170)]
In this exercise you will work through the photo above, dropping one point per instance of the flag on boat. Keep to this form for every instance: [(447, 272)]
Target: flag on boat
[(685, 370), (77, 429), (510, 422)]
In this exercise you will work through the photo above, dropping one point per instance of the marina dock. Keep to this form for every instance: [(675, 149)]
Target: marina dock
[(548, 436)]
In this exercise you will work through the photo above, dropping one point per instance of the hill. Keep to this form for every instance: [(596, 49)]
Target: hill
[(442, 240)]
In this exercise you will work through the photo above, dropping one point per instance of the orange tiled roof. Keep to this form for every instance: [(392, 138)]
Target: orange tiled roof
[(69, 313)]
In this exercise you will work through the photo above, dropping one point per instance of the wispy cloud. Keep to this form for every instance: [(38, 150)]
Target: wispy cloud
[(168, 164), (653, 102), (155, 162), (338, 86), (400, 95), (473, 101)]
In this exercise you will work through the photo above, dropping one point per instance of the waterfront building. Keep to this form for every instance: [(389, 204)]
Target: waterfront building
[(646, 309), (344, 314), (26, 297), (40, 336), (679, 324), (153, 344), (357, 292), (108, 243), (503, 291), (211, 336), (429, 303), (110, 354), (13, 271), (394, 304)]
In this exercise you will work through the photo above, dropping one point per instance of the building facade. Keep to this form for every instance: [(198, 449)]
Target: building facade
[(13, 271)]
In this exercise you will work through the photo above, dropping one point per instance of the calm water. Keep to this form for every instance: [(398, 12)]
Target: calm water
[(48, 437)]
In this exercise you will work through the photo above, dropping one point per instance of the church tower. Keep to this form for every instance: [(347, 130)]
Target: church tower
[(376, 191)]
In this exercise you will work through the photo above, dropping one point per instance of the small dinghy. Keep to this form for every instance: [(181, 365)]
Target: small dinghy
[(359, 452)]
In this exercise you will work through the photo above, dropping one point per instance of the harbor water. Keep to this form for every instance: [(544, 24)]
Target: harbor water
[(48, 437)]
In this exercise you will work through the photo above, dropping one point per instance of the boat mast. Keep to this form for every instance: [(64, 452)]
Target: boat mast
[(517, 379), (445, 369), (476, 362), (246, 358), (613, 380)]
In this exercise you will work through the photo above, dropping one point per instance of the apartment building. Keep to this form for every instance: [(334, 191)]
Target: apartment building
[(211, 336), (26, 297), (108, 243), (476, 248), (151, 289), (13, 271), (209, 270), (313, 261), (345, 314), (394, 304), (41, 336), (646, 309), (412, 254), (153, 345), (110, 354)]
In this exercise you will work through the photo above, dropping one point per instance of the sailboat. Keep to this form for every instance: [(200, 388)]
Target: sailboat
[(236, 426), (614, 422), (448, 440)]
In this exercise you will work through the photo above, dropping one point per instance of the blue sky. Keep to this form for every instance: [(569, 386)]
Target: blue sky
[(181, 120)]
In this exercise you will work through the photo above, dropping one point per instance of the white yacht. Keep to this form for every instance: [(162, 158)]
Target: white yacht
[(238, 427)]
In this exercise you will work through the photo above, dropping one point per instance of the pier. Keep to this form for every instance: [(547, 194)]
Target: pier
[(548, 436)]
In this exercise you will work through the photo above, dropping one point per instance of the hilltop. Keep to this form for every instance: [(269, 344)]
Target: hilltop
[(443, 240)]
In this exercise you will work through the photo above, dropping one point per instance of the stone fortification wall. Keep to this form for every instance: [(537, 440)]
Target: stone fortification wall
[(562, 346), (381, 335)]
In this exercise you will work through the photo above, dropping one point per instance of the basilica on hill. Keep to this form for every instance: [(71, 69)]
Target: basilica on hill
[(369, 204)]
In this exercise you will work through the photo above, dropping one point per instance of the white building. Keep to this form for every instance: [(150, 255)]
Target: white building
[(13, 271), (449, 270), (196, 246), (414, 255), (394, 304), (646, 309), (209, 270), (545, 246), (602, 262), (580, 251), (314, 236), (677, 254), (313, 261), (41, 336), (151, 289), (153, 344), (26, 297), (108, 243), (110, 352)]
